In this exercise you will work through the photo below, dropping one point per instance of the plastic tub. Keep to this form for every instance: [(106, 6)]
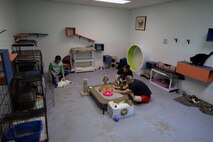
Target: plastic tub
[(25, 132)]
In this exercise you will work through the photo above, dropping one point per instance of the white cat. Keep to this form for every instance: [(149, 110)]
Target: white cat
[(63, 83)]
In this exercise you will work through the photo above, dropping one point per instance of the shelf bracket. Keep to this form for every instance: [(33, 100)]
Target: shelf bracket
[(2, 31)]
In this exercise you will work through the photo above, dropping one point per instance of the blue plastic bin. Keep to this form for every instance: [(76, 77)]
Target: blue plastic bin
[(25, 132), (107, 59)]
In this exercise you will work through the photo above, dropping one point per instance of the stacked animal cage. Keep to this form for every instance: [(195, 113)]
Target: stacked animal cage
[(27, 120), (5, 108), (5, 98), (28, 64)]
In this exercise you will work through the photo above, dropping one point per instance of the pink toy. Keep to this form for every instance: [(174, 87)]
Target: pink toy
[(107, 93)]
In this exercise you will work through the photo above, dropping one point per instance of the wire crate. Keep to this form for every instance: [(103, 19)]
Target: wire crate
[(22, 96), (5, 108), (23, 101), (28, 60)]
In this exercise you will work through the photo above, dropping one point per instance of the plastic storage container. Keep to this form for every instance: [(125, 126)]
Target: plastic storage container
[(25, 132)]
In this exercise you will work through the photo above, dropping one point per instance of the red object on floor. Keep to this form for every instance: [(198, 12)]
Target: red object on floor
[(108, 93)]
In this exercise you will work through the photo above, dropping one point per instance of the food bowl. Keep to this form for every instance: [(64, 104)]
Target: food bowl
[(107, 93)]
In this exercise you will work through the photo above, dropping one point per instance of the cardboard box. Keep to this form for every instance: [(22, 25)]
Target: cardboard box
[(120, 112)]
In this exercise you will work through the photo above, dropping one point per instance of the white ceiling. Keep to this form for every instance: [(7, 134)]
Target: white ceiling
[(133, 4)]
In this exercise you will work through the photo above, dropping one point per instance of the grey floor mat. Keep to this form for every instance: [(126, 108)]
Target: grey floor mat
[(185, 100), (203, 106)]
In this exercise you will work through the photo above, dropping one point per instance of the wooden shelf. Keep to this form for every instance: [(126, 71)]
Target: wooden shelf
[(26, 35), (202, 73), (70, 32), (89, 39)]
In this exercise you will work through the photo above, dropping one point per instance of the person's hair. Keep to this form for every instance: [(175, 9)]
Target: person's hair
[(57, 57), (129, 78), (127, 67)]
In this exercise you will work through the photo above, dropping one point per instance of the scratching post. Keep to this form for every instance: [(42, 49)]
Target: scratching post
[(85, 85), (84, 91), (105, 79)]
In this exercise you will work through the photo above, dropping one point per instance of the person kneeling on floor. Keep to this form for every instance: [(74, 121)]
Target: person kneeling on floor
[(123, 72), (137, 89), (120, 80), (57, 70)]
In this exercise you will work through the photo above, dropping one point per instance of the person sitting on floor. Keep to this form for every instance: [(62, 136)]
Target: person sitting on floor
[(56, 70), (137, 89), (123, 72), (120, 81)]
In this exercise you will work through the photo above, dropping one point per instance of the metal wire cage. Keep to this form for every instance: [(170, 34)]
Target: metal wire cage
[(5, 108), (25, 102), (23, 111), (29, 60)]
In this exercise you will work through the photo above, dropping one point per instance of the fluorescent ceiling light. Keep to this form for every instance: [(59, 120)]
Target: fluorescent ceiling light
[(114, 1)]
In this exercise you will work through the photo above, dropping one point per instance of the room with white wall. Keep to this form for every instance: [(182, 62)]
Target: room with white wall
[(8, 22), (105, 25), (183, 19)]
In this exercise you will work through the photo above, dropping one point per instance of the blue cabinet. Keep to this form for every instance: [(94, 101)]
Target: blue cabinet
[(6, 73)]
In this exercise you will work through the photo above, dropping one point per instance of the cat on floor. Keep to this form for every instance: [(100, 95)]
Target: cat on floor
[(200, 59)]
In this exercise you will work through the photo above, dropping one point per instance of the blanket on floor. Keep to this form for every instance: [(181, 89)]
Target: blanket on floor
[(203, 106)]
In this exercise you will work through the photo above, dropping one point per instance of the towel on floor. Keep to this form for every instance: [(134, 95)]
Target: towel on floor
[(203, 106), (63, 83)]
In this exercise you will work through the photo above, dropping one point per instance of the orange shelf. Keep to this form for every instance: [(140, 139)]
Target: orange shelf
[(21, 35), (202, 73), (12, 57)]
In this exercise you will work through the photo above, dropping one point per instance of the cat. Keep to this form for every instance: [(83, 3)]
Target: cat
[(200, 59)]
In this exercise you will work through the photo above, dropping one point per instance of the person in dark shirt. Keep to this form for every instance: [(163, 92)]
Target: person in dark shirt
[(123, 72), (120, 80), (137, 89)]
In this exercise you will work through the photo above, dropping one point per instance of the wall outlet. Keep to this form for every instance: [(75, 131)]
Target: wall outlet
[(165, 41)]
